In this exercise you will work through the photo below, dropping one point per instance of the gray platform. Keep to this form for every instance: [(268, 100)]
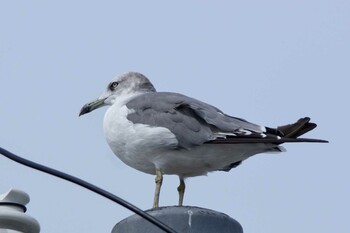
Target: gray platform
[(185, 219)]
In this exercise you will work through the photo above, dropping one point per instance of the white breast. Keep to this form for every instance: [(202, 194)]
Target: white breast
[(137, 145)]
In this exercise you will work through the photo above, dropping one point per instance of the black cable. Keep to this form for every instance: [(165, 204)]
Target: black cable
[(88, 186)]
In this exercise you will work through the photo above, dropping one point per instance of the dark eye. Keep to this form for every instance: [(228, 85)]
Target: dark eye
[(113, 86)]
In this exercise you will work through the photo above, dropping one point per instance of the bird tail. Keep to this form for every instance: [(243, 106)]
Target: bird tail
[(279, 135), (295, 130)]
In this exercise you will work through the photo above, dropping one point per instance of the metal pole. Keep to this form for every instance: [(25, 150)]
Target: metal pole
[(185, 219)]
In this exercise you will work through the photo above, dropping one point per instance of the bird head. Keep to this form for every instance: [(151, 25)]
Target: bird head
[(123, 86)]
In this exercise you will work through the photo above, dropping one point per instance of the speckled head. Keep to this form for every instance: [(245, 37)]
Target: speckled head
[(130, 83)]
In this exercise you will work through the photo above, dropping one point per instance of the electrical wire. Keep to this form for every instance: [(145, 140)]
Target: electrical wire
[(88, 186)]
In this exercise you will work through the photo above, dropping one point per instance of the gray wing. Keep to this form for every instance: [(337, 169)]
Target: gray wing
[(193, 122)]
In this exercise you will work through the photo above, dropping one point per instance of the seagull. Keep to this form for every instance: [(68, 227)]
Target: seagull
[(169, 133)]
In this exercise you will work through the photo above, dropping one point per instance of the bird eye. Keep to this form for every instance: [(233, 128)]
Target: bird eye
[(113, 86)]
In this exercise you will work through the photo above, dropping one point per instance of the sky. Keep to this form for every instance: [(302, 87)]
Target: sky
[(270, 62)]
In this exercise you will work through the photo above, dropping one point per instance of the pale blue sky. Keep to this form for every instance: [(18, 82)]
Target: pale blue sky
[(270, 62)]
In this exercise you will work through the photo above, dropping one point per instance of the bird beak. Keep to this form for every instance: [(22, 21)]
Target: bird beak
[(89, 107)]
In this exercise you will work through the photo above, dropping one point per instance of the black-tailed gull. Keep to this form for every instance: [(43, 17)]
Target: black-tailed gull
[(169, 133)]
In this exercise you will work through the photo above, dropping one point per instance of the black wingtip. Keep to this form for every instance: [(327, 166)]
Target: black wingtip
[(302, 126), (279, 135), (307, 140)]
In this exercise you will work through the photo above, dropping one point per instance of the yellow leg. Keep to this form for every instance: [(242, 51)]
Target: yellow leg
[(159, 181), (181, 190)]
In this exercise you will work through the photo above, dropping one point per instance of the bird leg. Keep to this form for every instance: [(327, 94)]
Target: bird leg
[(159, 181), (181, 190)]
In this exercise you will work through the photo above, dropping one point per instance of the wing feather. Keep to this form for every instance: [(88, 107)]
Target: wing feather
[(194, 122)]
